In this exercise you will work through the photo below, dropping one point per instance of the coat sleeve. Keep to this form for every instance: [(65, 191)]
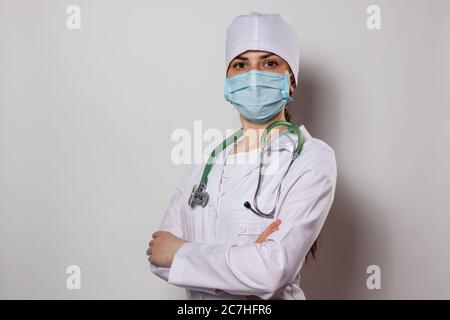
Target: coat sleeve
[(172, 222), (261, 269)]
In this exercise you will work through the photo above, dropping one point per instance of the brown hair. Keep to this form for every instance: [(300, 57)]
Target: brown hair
[(312, 251)]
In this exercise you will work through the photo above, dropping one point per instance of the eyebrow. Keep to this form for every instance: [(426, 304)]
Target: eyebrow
[(260, 57)]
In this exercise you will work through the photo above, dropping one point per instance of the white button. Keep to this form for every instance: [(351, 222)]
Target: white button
[(242, 228)]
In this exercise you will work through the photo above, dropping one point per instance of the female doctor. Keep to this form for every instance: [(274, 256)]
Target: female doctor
[(230, 246)]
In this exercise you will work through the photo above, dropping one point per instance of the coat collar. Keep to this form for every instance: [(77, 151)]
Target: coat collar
[(284, 143)]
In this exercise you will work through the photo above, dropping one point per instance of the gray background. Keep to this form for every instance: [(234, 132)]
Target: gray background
[(86, 118)]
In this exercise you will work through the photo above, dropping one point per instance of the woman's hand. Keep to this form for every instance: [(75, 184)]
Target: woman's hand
[(268, 231), (163, 248)]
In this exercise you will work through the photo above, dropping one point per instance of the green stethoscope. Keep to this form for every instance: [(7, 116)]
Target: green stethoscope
[(199, 196)]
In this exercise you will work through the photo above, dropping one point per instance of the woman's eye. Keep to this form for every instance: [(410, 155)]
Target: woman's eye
[(239, 65), (271, 64)]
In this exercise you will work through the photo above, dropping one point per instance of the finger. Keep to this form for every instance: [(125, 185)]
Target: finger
[(149, 251), (263, 236), (268, 231), (155, 234), (271, 227), (276, 223)]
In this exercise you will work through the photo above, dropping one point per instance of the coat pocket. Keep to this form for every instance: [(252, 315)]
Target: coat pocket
[(244, 227), (248, 223)]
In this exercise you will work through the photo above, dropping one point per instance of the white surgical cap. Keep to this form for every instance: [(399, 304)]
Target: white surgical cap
[(265, 32)]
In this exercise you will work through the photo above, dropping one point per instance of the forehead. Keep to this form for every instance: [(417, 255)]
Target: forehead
[(255, 54)]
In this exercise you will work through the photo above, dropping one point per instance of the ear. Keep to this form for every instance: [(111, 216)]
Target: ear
[(292, 88), (293, 85)]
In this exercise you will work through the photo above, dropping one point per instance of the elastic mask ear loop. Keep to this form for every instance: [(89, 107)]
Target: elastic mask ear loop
[(286, 92), (290, 81)]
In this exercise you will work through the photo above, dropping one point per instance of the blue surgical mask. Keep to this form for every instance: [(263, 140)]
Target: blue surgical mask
[(258, 95)]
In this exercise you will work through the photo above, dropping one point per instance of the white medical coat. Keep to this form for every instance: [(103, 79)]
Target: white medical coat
[(221, 259)]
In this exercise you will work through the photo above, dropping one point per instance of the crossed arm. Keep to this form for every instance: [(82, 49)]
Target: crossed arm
[(231, 268), (165, 245)]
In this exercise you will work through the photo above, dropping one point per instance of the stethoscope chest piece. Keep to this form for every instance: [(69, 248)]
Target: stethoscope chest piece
[(199, 196)]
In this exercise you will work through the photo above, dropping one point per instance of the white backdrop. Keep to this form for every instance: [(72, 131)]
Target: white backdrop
[(86, 118)]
